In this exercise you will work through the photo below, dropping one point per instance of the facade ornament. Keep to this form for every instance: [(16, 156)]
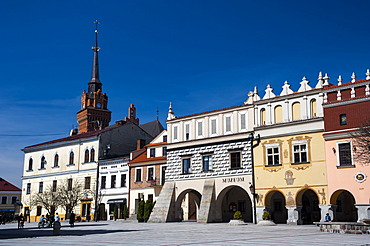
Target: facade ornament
[(325, 97), (320, 81), (368, 74), (340, 80), (171, 114), (252, 96), (326, 79), (304, 85), (353, 93), (339, 96), (269, 93), (353, 77), (286, 89), (367, 90)]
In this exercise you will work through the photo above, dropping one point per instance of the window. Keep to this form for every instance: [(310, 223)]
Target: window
[(300, 153), (200, 128), (150, 197), (71, 158), (41, 187), (228, 124), (54, 187), (138, 175), (30, 164), (4, 200), (38, 210), (28, 191), (345, 155), (87, 155), (296, 111), (164, 151), (113, 181), (103, 182), (187, 131), (87, 183), (278, 113), (243, 121), (207, 163), (43, 162), (186, 165), (313, 108), (263, 117), (273, 156), (163, 175), (14, 199), (175, 129), (343, 119), (123, 180), (165, 138), (69, 184), (56, 160), (92, 155), (213, 126), (235, 160), (150, 173), (152, 152)]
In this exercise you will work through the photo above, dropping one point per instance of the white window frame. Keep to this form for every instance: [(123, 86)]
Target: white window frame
[(231, 123), (338, 159), (147, 173), (273, 145), (187, 125), (141, 174), (214, 118), (182, 164), (175, 132), (210, 162), (240, 115), (300, 142), (201, 129)]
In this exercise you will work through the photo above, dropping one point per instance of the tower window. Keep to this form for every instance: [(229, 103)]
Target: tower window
[(343, 119)]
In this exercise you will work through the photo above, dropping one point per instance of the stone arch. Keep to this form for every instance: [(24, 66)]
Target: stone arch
[(343, 206), (307, 201), (187, 205), (275, 203), (231, 199)]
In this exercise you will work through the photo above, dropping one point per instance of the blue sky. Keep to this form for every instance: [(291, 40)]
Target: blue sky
[(201, 55)]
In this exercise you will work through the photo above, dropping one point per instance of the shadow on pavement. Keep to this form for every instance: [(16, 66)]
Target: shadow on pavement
[(48, 232)]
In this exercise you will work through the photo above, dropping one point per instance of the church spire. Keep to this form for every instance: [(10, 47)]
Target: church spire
[(95, 84)]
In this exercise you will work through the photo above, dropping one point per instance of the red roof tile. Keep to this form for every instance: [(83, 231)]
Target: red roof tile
[(6, 186)]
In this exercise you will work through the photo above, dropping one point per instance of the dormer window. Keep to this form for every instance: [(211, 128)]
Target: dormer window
[(152, 152)]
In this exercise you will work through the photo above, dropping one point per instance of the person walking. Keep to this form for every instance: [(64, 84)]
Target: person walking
[(20, 221), (72, 219)]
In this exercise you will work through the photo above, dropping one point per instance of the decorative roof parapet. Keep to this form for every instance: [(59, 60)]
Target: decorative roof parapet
[(286, 89), (269, 94), (253, 96), (304, 85)]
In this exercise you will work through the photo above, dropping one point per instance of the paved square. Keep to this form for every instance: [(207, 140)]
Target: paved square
[(184, 233)]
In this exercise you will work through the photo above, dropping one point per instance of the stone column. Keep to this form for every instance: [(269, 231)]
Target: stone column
[(292, 215), (363, 212), (324, 210), (259, 211)]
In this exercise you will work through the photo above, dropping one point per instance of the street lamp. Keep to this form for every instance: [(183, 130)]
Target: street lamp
[(252, 186)]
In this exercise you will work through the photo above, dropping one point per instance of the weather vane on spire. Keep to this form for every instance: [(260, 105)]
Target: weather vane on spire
[(96, 47)]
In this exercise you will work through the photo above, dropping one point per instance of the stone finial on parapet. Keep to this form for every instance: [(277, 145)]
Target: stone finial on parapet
[(320, 81), (353, 77), (286, 89), (340, 80), (368, 74), (304, 85), (269, 93), (171, 114), (326, 79)]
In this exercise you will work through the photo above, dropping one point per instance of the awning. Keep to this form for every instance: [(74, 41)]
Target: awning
[(121, 200), (6, 210)]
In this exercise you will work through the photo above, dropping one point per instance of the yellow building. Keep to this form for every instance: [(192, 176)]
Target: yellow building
[(289, 162)]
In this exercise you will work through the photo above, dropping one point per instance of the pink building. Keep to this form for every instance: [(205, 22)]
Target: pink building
[(346, 108)]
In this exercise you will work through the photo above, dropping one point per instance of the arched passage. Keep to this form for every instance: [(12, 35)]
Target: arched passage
[(308, 207), (232, 199), (187, 205), (344, 206), (275, 204)]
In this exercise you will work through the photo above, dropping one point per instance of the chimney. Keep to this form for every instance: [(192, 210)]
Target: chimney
[(140, 144)]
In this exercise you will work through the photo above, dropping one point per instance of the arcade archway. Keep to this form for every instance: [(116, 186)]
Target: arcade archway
[(187, 205), (233, 199), (308, 207), (275, 204), (344, 209)]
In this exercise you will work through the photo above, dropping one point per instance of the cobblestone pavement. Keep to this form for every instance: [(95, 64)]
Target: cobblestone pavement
[(171, 234)]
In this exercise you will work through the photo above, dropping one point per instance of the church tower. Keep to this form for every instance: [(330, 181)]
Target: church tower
[(94, 113)]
